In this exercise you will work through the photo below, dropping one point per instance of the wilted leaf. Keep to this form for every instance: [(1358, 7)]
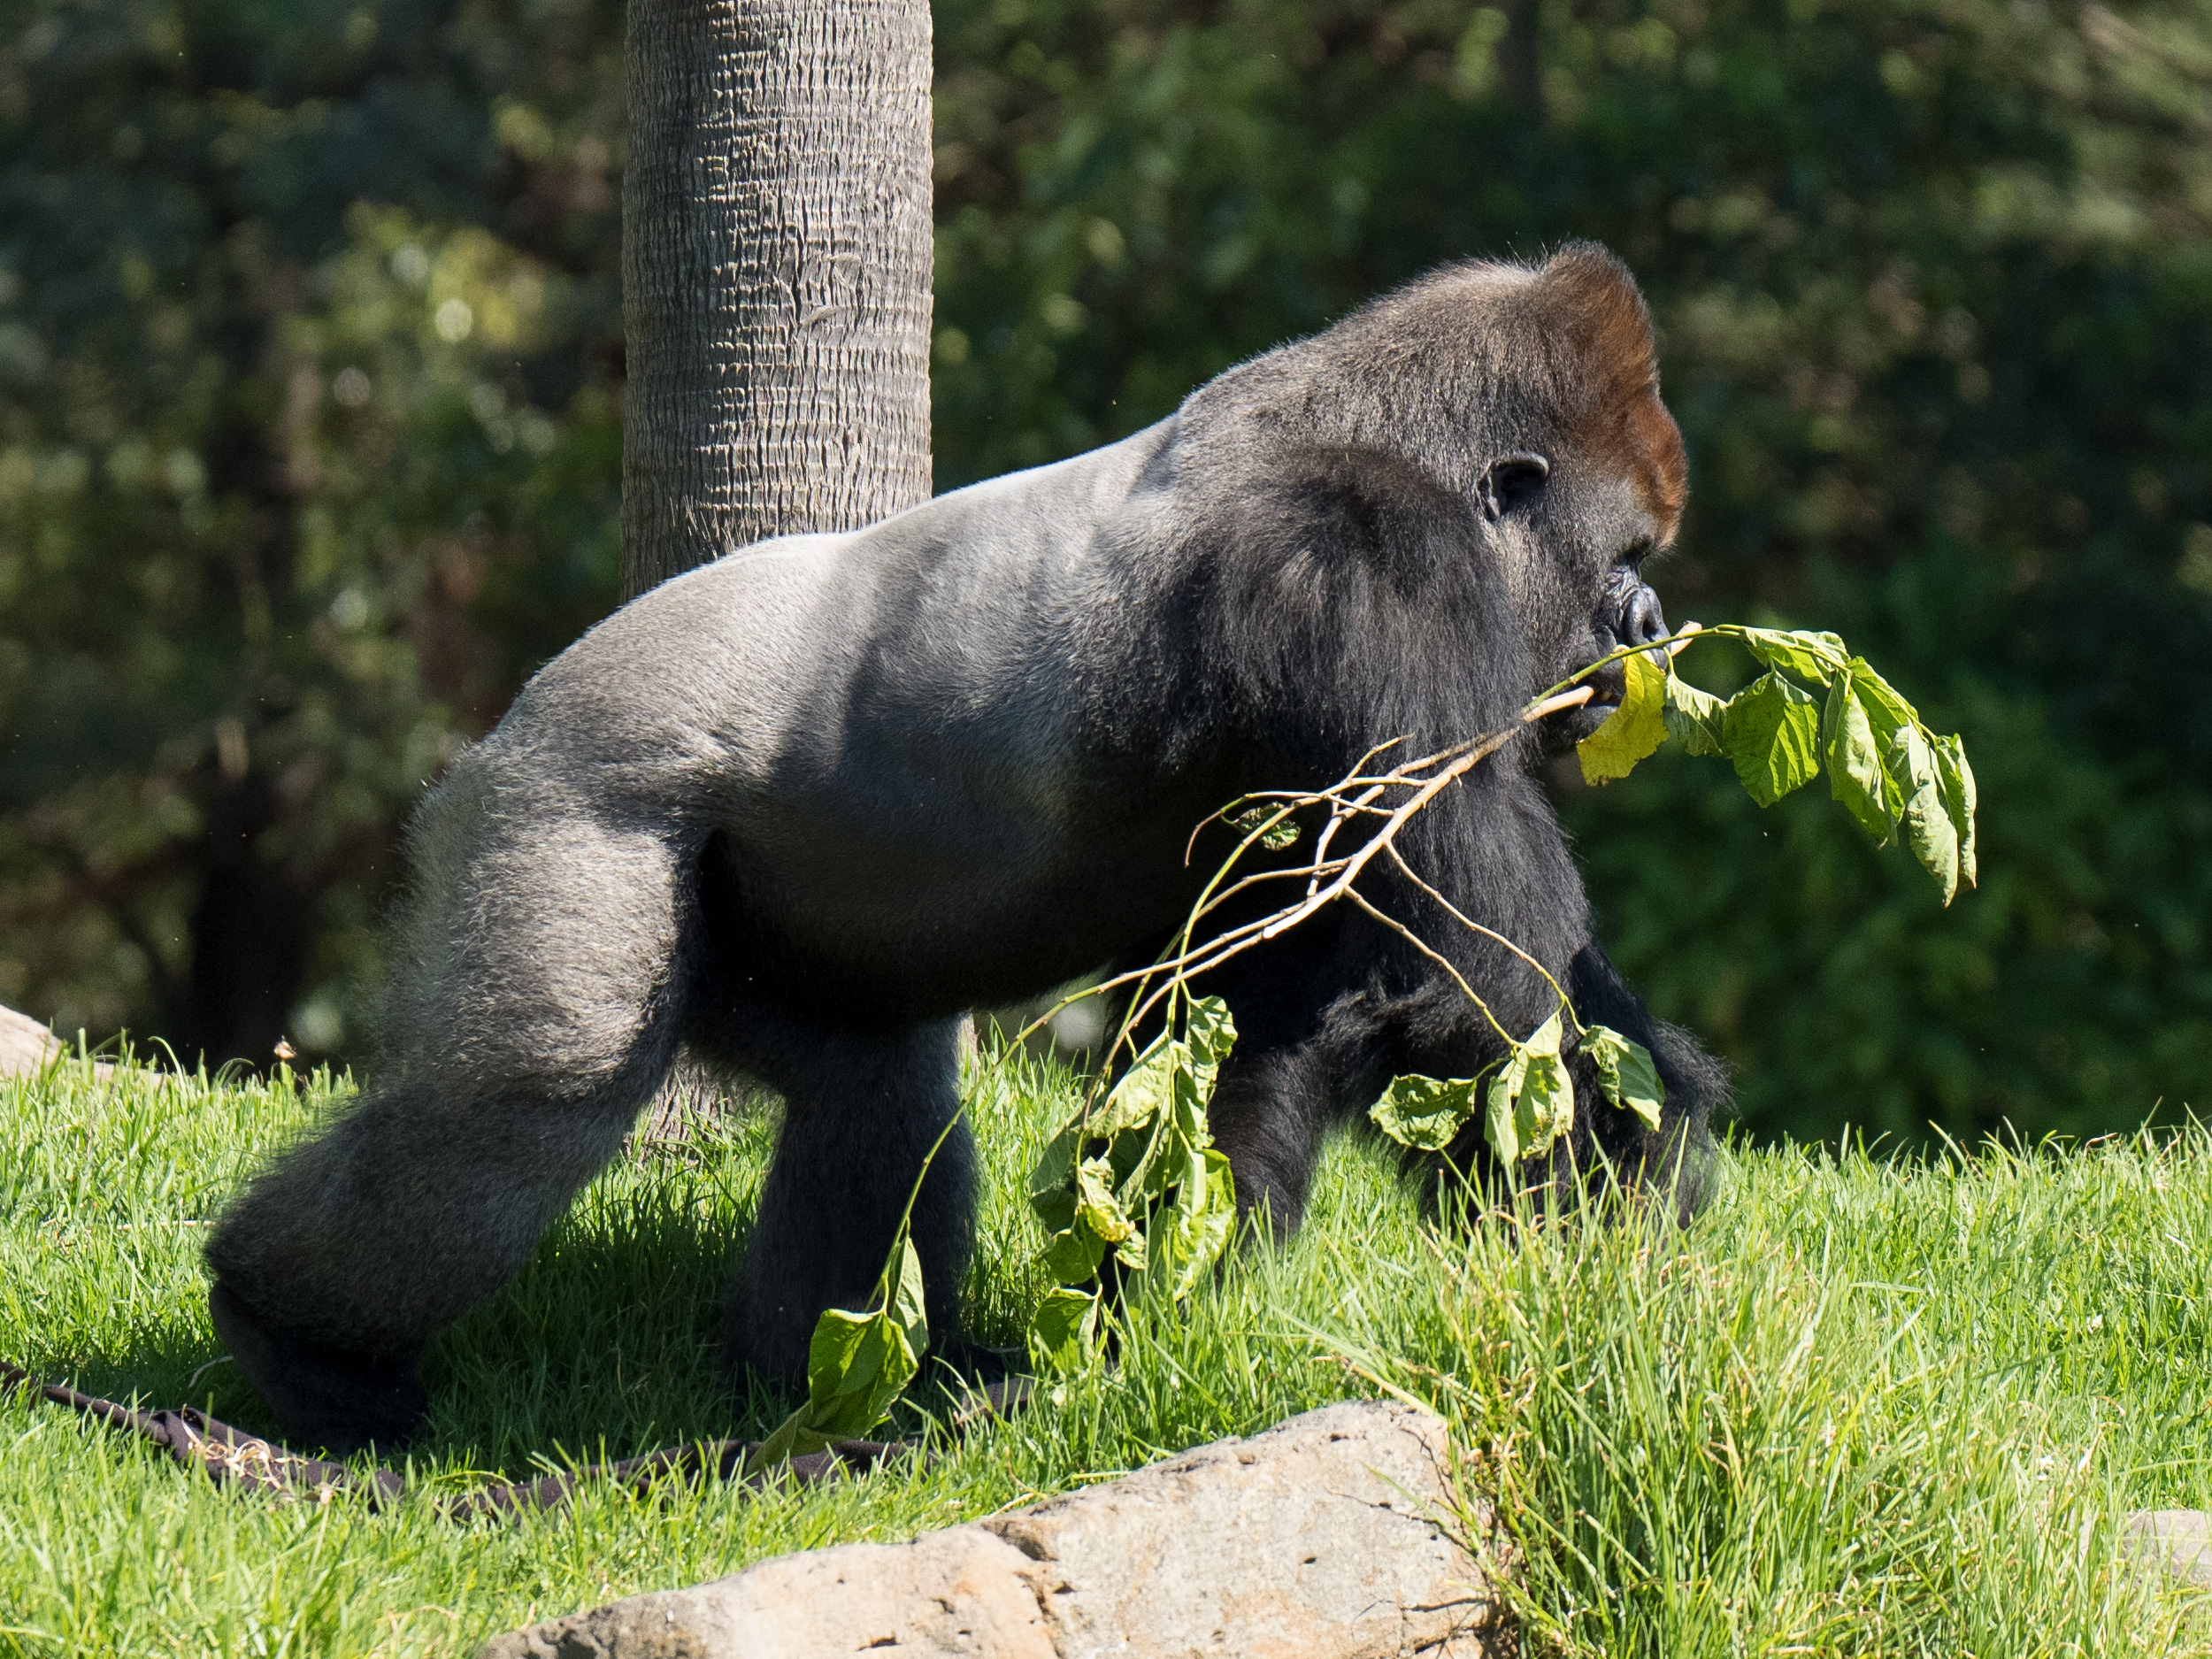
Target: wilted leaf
[(1626, 1072), (1532, 1099), (1142, 1091), (1772, 732), (1958, 799), (1063, 1335), (1816, 657), (1211, 1033), (1425, 1112), (1694, 718), (858, 1364), (1634, 729), (1188, 1236), (1096, 1208), (909, 1308), (1929, 832), (1857, 775), (1886, 706)]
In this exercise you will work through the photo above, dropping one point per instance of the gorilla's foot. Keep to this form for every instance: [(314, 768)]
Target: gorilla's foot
[(324, 1396)]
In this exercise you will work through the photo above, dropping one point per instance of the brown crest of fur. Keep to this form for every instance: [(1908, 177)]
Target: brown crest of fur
[(1591, 305)]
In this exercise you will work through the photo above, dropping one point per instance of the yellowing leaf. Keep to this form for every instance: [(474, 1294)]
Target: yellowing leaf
[(1634, 729), (1095, 1206)]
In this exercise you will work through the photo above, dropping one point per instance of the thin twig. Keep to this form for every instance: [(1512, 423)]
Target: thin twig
[(1469, 921)]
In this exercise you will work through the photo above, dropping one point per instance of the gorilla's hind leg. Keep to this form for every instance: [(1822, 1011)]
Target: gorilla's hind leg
[(862, 1111), (516, 1055)]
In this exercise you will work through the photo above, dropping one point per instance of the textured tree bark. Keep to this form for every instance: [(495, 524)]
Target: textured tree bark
[(776, 265)]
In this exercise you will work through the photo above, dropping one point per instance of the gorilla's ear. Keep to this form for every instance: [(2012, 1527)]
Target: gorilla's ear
[(1510, 483)]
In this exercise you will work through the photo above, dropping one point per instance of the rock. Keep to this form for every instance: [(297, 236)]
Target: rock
[(24, 1044), (2179, 1540), (1328, 1537)]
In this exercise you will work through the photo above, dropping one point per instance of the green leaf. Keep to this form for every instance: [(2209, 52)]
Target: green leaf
[(1274, 837), (1816, 657), (1929, 832), (1532, 1099), (1694, 718), (1772, 732), (1052, 1183), (1634, 729), (1886, 706), (1425, 1112), (1064, 1333), (1142, 1091), (908, 1307), (1626, 1072), (858, 1364), (1071, 1256), (850, 1357), (1958, 799), (1857, 775)]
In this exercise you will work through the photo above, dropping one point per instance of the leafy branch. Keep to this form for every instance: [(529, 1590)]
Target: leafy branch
[(1135, 1178), (1884, 764)]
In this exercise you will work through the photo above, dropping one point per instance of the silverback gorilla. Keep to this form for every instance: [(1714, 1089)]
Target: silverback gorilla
[(799, 807)]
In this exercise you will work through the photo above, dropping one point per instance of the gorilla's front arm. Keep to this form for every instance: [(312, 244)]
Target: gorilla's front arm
[(800, 807)]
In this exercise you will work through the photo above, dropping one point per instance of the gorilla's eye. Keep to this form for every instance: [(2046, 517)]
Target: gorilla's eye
[(1511, 483)]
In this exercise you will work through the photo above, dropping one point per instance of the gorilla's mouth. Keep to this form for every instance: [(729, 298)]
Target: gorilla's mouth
[(1608, 686)]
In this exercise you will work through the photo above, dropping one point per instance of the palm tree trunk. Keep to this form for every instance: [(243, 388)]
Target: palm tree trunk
[(776, 264)]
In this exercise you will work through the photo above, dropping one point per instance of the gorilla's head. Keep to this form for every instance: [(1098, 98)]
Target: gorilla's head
[(1531, 393)]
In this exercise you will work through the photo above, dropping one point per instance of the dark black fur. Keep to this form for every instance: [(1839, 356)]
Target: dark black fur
[(800, 808)]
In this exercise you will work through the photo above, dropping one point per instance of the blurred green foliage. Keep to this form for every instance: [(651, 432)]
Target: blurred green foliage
[(309, 450)]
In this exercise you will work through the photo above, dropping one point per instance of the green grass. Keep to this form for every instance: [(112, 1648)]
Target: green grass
[(1856, 1409)]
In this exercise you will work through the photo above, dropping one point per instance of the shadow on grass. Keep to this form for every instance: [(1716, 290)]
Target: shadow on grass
[(606, 1346)]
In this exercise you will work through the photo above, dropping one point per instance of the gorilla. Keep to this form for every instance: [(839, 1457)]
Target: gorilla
[(799, 807)]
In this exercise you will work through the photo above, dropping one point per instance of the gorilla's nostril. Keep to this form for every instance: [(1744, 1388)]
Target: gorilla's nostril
[(1641, 619)]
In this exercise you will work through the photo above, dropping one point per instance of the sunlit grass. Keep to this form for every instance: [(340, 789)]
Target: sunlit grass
[(1856, 1409)]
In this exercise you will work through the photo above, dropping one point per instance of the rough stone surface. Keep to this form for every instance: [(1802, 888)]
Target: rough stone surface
[(1329, 1537), (26, 1045), (2179, 1540)]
